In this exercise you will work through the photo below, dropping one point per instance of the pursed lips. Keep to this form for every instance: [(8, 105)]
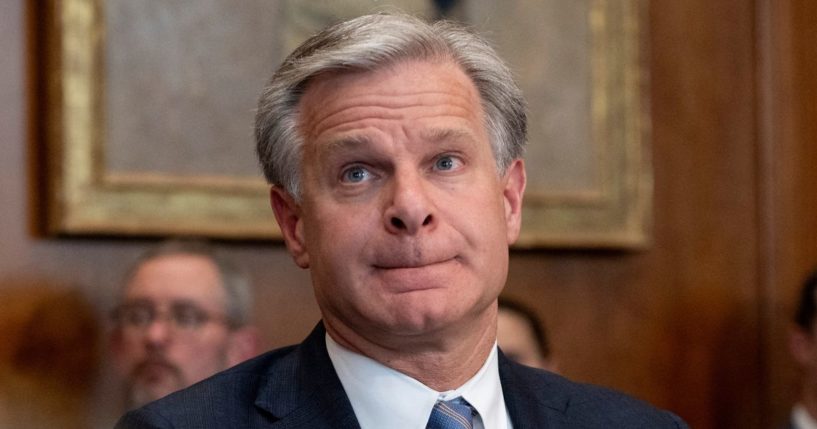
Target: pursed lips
[(405, 269), (414, 276), (403, 264)]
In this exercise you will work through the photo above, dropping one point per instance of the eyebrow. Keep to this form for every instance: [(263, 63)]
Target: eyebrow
[(434, 135), (339, 148), (440, 135), (346, 143)]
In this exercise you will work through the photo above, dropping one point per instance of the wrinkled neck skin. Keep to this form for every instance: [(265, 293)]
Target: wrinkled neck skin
[(443, 359)]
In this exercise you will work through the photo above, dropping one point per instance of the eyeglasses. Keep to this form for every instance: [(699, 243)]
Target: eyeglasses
[(182, 317)]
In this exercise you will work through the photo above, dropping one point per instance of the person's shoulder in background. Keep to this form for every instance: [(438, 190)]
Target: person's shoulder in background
[(230, 393)]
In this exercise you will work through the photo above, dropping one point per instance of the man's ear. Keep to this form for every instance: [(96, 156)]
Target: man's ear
[(514, 187), (244, 344), (288, 214)]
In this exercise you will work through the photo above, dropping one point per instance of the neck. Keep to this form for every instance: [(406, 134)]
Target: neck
[(442, 360)]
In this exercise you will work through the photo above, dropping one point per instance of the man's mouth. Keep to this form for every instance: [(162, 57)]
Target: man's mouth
[(153, 369), (414, 276), (397, 263)]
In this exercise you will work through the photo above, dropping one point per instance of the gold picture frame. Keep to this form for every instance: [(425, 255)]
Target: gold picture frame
[(86, 197)]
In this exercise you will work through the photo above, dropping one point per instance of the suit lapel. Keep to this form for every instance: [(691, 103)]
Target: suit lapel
[(531, 400), (304, 390)]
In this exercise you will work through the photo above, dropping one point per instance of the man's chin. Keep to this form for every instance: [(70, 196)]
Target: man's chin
[(148, 390), (143, 395)]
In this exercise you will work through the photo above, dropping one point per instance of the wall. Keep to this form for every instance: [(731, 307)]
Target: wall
[(696, 323), (787, 31)]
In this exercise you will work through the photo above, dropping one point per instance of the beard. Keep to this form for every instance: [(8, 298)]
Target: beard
[(152, 379)]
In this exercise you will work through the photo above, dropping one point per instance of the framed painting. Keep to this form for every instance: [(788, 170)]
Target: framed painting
[(148, 108)]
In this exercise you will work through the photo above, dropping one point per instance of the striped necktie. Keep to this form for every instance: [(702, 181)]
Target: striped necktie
[(453, 414)]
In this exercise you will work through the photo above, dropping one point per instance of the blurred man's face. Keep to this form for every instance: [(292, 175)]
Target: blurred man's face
[(517, 340), (172, 329), (803, 347), (405, 222)]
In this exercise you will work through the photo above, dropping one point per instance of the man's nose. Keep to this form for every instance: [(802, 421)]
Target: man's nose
[(409, 209), (159, 330)]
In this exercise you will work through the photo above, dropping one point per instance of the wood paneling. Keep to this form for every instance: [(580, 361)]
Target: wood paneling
[(677, 324), (705, 160), (697, 323), (788, 184)]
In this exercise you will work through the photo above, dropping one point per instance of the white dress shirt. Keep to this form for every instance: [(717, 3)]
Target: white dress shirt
[(801, 418), (384, 398)]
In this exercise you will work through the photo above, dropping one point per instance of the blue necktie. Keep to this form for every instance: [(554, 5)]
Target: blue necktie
[(453, 414)]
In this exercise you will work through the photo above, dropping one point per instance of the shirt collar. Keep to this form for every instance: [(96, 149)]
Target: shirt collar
[(382, 397), (802, 419)]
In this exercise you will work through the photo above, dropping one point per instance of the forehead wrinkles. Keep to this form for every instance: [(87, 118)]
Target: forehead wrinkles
[(394, 93), (317, 119)]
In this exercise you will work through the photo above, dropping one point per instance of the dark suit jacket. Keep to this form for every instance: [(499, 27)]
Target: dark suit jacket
[(297, 387)]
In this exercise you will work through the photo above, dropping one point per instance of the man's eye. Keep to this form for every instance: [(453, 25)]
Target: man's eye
[(137, 316), (355, 174), (446, 163), (188, 317)]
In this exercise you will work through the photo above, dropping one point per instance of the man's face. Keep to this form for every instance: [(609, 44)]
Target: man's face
[(404, 220), (517, 340), (803, 348), (161, 356)]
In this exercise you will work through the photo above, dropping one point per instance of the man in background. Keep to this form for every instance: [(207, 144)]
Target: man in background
[(183, 315), (522, 337), (803, 348)]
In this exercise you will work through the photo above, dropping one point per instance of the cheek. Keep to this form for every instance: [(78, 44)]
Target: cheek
[(338, 244), (126, 352), (482, 222), (337, 235), (200, 358)]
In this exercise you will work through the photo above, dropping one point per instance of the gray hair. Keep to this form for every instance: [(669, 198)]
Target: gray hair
[(234, 280), (376, 41)]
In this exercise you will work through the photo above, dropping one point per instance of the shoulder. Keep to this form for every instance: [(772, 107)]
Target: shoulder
[(233, 390), (596, 406), (577, 404)]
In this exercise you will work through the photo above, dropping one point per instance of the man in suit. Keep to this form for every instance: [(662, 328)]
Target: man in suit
[(183, 315), (803, 348), (394, 149)]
